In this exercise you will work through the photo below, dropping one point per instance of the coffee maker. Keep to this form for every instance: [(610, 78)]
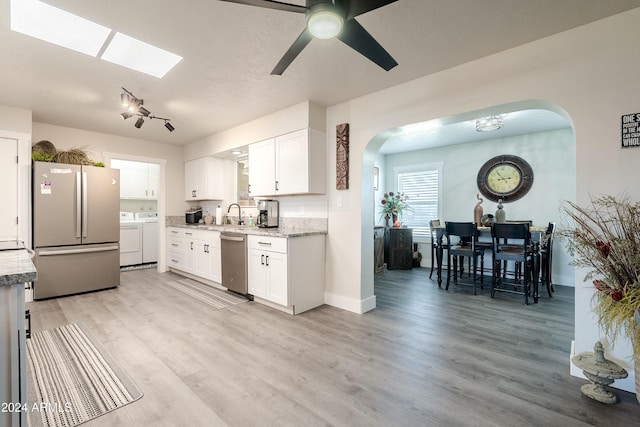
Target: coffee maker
[(268, 213)]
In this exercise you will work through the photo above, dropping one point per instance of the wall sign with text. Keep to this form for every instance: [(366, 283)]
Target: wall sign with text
[(630, 130)]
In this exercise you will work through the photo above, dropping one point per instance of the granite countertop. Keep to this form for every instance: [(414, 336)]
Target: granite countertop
[(16, 267), (255, 231)]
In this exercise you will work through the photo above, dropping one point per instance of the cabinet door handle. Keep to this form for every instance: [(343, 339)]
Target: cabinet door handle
[(267, 263), (277, 185), (191, 245), (27, 316), (249, 188)]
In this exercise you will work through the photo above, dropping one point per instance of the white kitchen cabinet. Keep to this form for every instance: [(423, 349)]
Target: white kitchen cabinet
[(267, 268), (137, 180), (288, 164), (287, 273), (203, 179), (206, 245), (196, 252)]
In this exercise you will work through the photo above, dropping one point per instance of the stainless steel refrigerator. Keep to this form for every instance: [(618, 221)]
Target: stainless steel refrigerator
[(76, 228)]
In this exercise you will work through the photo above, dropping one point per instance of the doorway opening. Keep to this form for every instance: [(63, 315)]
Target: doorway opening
[(539, 132)]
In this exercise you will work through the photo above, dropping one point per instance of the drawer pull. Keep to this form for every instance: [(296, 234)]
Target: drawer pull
[(265, 243)]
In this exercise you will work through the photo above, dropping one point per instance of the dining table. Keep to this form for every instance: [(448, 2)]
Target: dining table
[(484, 237)]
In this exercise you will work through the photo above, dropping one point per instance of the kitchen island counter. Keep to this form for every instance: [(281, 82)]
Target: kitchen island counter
[(16, 267)]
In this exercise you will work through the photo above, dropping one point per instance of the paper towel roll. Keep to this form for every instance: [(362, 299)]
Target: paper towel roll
[(218, 215)]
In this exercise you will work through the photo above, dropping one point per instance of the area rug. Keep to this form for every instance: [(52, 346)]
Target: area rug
[(73, 379), (216, 298)]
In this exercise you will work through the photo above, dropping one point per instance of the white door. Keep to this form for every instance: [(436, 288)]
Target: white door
[(277, 269), (9, 174), (262, 175), (292, 162)]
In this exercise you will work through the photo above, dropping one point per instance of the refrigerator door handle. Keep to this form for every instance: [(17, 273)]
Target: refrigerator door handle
[(78, 205), (78, 251), (84, 205)]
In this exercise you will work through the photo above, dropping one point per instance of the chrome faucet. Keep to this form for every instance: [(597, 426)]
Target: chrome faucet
[(239, 212)]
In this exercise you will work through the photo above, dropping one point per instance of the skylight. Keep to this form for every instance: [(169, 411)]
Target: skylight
[(48, 23), (42, 21), (140, 56)]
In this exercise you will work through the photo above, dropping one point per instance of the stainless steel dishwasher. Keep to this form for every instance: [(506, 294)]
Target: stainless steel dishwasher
[(234, 261)]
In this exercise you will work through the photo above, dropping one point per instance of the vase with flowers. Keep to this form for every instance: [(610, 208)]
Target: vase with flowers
[(605, 239), (392, 205)]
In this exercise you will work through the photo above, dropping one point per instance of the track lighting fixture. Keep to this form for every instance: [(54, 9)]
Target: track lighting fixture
[(135, 107)]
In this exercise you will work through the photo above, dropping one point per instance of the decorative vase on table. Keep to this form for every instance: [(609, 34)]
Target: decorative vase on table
[(395, 220), (477, 211), (500, 213)]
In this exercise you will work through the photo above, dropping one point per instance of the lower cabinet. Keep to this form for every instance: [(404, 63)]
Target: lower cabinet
[(287, 273), (267, 268), (195, 251)]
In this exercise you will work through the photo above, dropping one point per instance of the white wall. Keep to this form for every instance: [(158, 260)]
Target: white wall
[(15, 119), (552, 156), (589, 72)]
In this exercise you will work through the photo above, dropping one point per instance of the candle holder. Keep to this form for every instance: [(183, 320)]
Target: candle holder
[(601, 372)]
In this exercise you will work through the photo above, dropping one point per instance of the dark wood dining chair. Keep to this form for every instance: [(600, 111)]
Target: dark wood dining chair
[(434, 242), (512, 242), (546, 257), (462, 241)]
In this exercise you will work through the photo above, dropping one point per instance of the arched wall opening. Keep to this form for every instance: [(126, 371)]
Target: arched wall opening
[(551, 153)]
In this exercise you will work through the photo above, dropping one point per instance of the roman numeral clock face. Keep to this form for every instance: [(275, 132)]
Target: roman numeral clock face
[(505, 177)]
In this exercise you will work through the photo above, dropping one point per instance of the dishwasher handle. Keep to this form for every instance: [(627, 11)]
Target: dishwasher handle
[(232, 238)]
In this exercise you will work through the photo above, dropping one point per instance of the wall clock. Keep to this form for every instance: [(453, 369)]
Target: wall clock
[(505, 177)]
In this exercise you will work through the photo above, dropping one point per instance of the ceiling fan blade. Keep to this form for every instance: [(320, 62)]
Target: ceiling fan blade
[(355, 36), (354, 8), (301, 42), (270, 4)]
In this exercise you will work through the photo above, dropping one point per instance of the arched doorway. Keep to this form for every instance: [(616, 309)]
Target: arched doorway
[(536, 130)]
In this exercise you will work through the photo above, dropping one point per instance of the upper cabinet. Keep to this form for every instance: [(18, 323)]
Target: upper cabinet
[(294, 163), (203, 179), (138, 180)]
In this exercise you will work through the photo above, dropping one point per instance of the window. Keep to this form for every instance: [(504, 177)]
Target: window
[(421, 185)]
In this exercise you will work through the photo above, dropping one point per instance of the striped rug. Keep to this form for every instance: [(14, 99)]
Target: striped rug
[(73, 379), (216, 298)]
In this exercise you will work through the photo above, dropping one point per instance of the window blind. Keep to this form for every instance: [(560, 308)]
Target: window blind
[(421, 187)]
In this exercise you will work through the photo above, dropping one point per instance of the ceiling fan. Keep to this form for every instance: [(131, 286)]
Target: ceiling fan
[(327, 19)]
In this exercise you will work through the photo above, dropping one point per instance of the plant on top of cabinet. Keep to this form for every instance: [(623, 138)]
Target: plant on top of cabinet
[(294, 163), (203, 179)]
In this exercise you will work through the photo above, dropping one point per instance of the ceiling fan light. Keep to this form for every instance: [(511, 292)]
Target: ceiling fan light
[(325, 24), (126, 115), (169, 126), (139, 122), (143, 111), (124, 99), (487, 124)]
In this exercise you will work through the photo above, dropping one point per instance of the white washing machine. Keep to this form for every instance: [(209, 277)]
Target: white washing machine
[(149, 221), (130, 239)]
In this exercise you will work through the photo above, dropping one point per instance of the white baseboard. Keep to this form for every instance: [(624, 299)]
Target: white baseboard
[(350, 304)]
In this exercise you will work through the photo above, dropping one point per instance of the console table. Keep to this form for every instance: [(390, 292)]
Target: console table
[(398, 248)]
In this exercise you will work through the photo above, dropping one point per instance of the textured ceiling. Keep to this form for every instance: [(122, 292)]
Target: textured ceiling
[(229, 51)]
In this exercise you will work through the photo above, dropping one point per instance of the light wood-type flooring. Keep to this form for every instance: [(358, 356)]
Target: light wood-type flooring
[(423, 357)]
